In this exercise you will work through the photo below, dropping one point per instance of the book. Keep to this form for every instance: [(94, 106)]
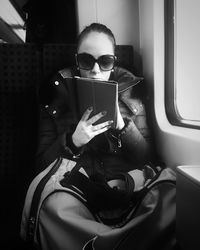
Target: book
[(86, 92)]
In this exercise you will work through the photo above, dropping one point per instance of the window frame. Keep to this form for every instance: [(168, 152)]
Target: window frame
[(171, 109)]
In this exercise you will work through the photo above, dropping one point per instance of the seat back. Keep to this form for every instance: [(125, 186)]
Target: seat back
[(19, 76)]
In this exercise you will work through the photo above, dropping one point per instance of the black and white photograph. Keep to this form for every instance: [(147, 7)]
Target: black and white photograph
[(100, 124)]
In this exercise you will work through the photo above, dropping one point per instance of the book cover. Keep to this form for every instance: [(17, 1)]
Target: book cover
[(101, 95)]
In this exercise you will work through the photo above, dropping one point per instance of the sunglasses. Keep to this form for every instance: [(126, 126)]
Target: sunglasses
[(86, 61)]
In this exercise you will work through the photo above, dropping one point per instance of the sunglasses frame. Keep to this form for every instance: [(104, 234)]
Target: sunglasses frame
[(95, 61)]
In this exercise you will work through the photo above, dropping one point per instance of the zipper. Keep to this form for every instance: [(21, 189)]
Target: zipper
[(118, 138), (130, 86)]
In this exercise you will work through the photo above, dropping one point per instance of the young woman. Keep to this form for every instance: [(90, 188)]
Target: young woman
[(112, 159), (131, 141)]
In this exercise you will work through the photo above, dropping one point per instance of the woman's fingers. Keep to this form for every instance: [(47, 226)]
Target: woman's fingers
[(93, 119), (100, 131), (85, 129), (84, 132), (86, 114), (102, 125), (96, 117)]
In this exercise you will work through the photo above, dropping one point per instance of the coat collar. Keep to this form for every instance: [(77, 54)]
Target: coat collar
[(124, 78)]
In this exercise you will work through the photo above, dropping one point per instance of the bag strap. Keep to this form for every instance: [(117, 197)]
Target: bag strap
[(36, 199)]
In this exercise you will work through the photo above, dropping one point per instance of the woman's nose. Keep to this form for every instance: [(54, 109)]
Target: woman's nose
[(96, 68)]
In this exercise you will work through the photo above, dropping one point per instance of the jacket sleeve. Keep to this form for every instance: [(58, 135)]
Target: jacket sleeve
[(50, 142), (55, 125), (134, 141)]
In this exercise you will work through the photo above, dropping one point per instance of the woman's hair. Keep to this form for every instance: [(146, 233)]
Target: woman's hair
[(96, 27)]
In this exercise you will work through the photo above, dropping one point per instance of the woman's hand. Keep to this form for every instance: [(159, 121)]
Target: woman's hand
[(85, 129)]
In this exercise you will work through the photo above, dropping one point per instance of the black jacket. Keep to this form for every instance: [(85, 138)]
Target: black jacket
[(123, 150)]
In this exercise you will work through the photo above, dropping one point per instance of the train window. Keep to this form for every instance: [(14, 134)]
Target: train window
[(182, 62), (11, 23)]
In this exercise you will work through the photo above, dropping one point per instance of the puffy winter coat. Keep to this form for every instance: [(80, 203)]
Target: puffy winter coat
[(120, 150)]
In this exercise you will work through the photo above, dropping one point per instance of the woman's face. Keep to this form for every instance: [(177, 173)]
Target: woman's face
[(96, 44)]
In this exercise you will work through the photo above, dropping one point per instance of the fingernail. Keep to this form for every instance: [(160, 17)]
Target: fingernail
[(110, 122), (90, 108), (104, 112)]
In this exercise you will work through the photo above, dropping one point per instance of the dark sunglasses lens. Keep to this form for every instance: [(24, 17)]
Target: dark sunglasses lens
[(106, 62), (85, 61)]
